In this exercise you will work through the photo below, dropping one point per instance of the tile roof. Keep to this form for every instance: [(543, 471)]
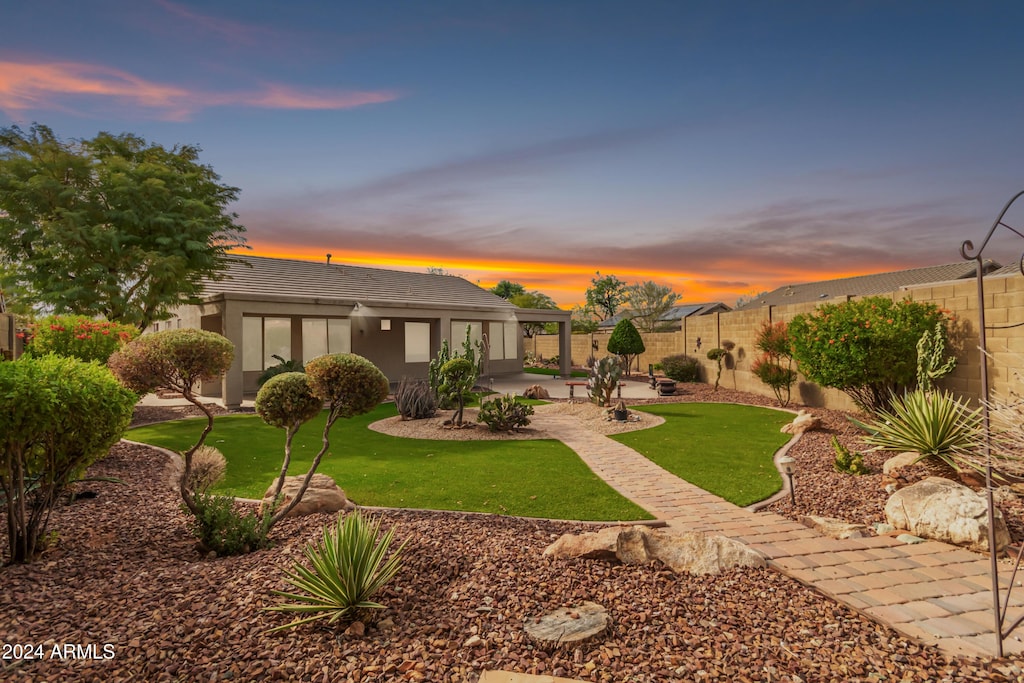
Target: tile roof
[(275, 277), (866, 285), (674, 313)]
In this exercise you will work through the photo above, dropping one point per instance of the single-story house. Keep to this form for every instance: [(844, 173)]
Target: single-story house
[(672, 319), (867, 285), (397, 319)]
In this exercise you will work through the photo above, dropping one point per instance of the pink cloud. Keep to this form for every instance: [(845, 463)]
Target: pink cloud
[(68, 86), (226, 29)]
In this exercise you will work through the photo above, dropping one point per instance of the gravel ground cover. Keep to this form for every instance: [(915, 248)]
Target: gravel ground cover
[(126, 585)]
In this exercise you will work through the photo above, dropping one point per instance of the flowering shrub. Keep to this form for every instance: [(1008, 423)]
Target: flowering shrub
[(865, 348), (77, 336), (774, 366)]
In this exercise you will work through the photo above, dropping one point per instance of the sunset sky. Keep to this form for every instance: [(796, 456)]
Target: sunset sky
[(723, 148)]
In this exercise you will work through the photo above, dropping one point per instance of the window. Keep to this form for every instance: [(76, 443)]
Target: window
[(262, 338), (496, 337), (512, 337), (476, 333), (417, 342), (325, 335)]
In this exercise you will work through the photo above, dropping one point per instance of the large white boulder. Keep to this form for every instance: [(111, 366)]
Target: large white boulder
[(943, 510)]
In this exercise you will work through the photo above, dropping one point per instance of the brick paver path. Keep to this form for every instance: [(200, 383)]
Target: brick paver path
[(931, 591)]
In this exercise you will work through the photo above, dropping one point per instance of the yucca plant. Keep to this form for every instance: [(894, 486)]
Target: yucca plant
[(936, 425), (347, 568)]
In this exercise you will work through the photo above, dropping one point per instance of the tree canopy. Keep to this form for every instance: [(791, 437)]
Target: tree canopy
[(648, 301), (626, 342), (110, 226), (507, 289), (537, 300), (605, 294)]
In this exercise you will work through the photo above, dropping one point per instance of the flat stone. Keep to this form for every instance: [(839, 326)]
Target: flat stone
[(569, 624)]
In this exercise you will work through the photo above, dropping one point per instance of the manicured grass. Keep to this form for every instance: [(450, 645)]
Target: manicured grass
[(541, 478), (554, 372), (723, 448)]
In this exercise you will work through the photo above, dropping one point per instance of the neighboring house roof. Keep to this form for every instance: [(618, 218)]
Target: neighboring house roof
[(276, 277), (866, 285), (673, 314)]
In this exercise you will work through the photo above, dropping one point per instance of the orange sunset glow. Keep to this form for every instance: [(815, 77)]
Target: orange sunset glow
[(566, 283)]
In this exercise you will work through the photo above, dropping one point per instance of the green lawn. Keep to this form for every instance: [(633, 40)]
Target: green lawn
[(542, 478), (723, 448)]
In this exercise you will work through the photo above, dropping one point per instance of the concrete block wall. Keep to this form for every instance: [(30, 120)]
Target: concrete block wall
[(1004, 316)]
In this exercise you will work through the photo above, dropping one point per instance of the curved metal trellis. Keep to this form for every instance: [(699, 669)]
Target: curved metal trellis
[(968, 252)]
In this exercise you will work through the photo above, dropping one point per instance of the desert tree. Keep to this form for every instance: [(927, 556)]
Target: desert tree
[(110, 226)]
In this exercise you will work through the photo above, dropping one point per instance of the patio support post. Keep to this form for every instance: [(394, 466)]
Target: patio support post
[(565, 349), (231, 383)]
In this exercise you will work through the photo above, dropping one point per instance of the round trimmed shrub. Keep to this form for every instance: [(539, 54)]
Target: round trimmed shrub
[(173, 359), (286, 400), (349, 382), (681, 368)]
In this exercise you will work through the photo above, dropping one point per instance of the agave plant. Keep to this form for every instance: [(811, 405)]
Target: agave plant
[(347, 568), (936, 425)]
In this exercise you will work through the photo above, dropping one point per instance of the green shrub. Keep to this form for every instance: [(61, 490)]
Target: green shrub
[(415, 400), (865, 348), (718, 355), (458, 377), (505, 413), (77, 336), (774, 366), (848, 462), (58, 415), (474, 353), (604, 378), (346, 569), (681, 368), (626, 343), (282, 367), (936, 425), (222, 529)]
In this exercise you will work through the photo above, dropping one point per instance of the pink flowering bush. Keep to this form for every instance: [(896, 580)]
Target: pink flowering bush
[(77, 336)]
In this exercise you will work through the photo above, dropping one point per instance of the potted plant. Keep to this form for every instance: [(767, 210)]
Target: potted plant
[(619, 412)]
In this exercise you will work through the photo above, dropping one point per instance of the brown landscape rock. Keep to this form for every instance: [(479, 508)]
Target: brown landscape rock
[(322, 495), (536, 391), (683, 552), (803, 422), (836, 528)]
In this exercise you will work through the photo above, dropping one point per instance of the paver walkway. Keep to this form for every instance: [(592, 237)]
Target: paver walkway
[(931, 591)]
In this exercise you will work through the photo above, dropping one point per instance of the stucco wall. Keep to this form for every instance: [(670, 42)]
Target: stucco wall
[(1004, 311)]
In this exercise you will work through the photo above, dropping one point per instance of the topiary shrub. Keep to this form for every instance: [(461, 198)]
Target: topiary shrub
[(178, 360), (626, 343), (349, 384), (77, 336), (681, 368), (58, 415), (505, 413), (458, 377), (866, 348), (415, 400)]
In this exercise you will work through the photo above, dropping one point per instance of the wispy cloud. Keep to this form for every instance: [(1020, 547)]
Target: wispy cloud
[(73, 87), (235, 32)]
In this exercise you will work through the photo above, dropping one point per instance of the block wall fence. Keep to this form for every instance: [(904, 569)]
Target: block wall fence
[(1004, 316)]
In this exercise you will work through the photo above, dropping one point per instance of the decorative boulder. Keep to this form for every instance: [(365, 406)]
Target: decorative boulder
[(835, 528), (897, 462), (536, 391), (322, 495), (689, 552), (943, 510), (803, 422)]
